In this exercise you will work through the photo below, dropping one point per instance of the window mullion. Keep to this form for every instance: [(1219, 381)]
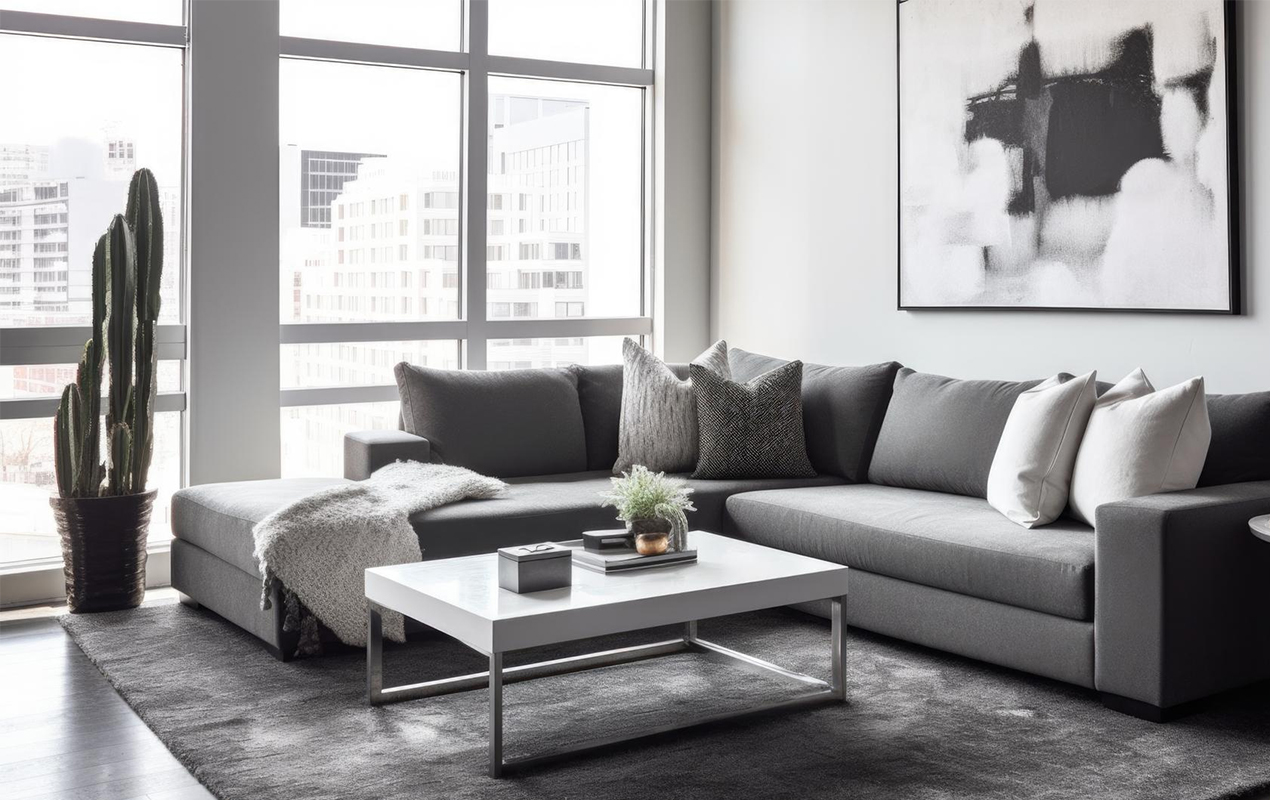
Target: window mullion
[(104, 30), (475, 177)]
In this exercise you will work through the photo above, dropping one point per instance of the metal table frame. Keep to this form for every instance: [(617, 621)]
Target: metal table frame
[(833, 691)]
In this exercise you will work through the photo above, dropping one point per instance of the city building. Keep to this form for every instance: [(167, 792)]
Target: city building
[(378, 241)]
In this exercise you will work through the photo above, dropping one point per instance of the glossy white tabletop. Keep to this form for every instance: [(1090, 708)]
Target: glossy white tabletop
[(471, 582), (461, 596), (1260, 527)]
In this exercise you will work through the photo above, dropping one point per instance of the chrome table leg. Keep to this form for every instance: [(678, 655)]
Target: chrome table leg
[(496, 715), (374, 657), (838, 637)]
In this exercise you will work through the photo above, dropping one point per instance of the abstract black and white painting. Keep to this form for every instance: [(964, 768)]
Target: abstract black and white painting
[(1066, 154)]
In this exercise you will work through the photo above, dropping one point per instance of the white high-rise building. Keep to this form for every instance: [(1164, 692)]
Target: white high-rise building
[(23, 163), (391, 253)]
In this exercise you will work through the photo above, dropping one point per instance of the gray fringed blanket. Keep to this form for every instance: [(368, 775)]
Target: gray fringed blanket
[(320, 546)]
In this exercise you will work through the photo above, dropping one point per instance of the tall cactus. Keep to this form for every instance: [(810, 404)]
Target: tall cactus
[(127, 270), (146, 221)]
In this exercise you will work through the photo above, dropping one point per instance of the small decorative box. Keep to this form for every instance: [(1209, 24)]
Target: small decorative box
[(608, 540), (535, 567)]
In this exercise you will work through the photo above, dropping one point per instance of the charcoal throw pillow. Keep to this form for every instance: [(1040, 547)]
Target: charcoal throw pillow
[(754, 429), (843, 408), (658, 426)]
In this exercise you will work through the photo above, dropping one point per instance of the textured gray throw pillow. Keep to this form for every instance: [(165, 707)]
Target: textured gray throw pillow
[(658, 428), (751, 430)]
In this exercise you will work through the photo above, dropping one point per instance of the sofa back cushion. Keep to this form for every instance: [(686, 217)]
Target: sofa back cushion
[(940, 434), (843, 408), (503, 424), (600, 396), (1241, 428), (1240, 449)]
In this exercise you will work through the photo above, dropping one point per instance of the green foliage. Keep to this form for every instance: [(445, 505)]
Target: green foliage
[(643, 494), (127, 269)]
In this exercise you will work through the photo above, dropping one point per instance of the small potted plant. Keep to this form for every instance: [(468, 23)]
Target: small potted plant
[(103, 509), (653, 507)]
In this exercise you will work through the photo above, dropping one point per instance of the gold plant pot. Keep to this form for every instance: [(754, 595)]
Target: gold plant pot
[(652, 544)]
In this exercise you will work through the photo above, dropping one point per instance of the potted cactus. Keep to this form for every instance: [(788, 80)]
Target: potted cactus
[(103, 509)]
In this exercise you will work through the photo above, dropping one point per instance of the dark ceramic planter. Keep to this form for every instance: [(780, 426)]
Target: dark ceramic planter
[(104, 550)]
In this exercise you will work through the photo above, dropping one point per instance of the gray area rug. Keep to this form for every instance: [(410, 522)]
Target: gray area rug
[(919, 724)]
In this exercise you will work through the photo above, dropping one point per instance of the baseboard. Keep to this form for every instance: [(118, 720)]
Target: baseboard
[(46, 584)]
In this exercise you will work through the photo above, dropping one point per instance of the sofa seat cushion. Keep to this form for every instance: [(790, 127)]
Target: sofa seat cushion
[(556, 507), (219, 517), (945, 541)]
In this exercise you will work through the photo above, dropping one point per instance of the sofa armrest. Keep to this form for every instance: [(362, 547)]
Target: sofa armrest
[(367, 451), (1182, 590)]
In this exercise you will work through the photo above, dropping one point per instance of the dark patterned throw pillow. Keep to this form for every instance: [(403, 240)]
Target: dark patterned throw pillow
[(754, 429)]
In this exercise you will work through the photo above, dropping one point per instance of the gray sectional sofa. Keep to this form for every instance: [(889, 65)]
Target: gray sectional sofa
[(1162, 603)]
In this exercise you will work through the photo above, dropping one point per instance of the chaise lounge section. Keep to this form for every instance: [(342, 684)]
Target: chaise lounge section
[(1160, 604)]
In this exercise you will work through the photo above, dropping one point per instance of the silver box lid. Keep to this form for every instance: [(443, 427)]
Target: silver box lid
[(535, 552)]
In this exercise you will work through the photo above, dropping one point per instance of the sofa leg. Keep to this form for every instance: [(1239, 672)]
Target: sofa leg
[(1139, 709), (288, 641), (185, 600)]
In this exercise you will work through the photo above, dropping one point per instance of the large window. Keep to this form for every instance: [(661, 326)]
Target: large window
[(463, 185), (74, 125)]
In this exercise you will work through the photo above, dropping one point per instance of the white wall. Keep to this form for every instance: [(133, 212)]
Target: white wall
[(805, 250)]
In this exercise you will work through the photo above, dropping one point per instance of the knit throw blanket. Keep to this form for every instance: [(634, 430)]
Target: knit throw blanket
[(319, 547)]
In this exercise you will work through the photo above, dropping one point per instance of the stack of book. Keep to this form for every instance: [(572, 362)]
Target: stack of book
[(623, 559)]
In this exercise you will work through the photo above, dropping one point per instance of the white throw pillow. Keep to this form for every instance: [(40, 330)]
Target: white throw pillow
[(1139, 442), (1032, 470)]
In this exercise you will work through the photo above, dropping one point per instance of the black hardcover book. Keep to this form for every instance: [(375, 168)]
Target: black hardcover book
[(623, 559), (607, 540)]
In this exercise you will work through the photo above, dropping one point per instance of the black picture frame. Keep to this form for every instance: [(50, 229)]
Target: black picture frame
[(1231, 28)]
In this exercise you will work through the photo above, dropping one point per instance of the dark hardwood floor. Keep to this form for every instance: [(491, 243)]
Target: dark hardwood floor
[(66, 734)]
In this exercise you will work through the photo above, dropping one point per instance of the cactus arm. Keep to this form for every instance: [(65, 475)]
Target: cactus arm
[(142, 415), (146, 221), (121, 453), (63, 444), (85, 408), (88, 377), (121, 317)]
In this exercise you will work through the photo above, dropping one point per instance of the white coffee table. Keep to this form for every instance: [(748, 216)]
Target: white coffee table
[(461, 597)]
